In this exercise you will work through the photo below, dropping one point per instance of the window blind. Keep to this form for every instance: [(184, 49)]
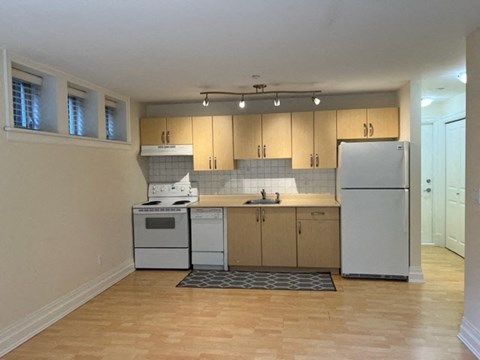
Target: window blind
[(26, 100), (109, 121), (76, 112)]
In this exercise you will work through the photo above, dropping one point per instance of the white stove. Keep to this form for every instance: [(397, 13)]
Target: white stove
[(161, 226)]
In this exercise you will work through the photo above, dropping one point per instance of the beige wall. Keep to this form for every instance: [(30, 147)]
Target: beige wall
[(470, 329), (61, 207)]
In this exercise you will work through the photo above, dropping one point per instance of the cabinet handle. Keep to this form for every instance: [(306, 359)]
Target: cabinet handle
[(209, 162), (258, 151), (311, 160), (215, 162), (299, 228), (163, 137), (317, 160), (168, 137), (370, 126), (257, 213), (313, 213), (263, 215), (264, 151), (365, 130)]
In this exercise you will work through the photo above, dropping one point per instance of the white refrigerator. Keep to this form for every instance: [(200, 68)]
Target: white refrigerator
[(373, 190)]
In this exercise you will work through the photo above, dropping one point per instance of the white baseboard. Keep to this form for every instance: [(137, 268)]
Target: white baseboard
[(26, 328), (415, 274), (470, 336)]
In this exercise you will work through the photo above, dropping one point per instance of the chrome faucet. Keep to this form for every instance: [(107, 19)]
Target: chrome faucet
[(278, 197), (264, 194)]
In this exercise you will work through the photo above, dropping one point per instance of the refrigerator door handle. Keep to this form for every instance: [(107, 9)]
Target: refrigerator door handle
[(406, 214)]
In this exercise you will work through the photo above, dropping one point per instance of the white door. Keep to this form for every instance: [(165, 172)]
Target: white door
[(427, 184), (455, 186)]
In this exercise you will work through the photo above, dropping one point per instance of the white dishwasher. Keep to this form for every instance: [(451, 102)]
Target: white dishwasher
[(207, 228)]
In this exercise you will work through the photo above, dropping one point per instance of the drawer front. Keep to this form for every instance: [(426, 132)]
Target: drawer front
[(318, 213)]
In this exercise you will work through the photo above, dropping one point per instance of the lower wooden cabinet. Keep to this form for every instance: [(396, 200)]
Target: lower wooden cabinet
[(261, 237), (318, 238), (283, 237)]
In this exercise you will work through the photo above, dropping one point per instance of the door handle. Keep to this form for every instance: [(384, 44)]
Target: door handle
[(263, 215), (317, 160), (163, 137), (258, 151), (365, 130), (215, 162), (264, 151), (299, 228), (311, 160), (257, 214), (210, 163), (168, 137), (370, 126)]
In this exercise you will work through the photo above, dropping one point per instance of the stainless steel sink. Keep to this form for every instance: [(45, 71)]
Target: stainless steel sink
[(262, 202)]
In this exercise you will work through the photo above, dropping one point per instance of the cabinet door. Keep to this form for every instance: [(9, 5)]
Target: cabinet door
[(277, 136), (247, 136), (318, 237), (223, 143), (202, 143), (179, 130), (244, 237), (326, 139), (352, 124), (153, 131), (302, 140), (383, 123), (278, 237)]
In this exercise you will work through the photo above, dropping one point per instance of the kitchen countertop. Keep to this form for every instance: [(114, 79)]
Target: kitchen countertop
[(287, 200)]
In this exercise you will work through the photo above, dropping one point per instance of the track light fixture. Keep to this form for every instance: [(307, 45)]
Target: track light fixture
[(276, 101), (206, 101), (241, 104), (260, 90)]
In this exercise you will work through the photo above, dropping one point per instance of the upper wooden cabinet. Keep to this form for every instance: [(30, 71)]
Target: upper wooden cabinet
[(379, 123), (164, 131), (314, 139), (212, 143), (265, 136)]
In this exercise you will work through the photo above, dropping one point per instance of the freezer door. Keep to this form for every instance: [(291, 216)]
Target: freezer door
[(375, 232), (371, 165)]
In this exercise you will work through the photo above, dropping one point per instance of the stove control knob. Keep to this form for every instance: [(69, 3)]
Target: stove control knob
[(162, 188), (154, 189)]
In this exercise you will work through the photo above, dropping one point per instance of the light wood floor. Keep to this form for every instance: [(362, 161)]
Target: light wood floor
[(146, 317)]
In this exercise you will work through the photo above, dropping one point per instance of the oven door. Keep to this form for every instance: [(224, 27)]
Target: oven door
[(167, 229)]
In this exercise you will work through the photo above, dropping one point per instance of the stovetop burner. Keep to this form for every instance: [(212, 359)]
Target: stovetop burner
[(181, 202), (155, 202)]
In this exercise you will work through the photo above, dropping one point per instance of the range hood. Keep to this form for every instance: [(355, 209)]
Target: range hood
[(166, 150)]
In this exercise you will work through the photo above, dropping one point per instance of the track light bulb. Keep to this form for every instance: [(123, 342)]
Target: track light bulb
[(206, 102), (276, 101), (316, 100), (241, 104)]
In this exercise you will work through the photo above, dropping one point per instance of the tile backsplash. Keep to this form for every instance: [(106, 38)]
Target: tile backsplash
[(249, 177)]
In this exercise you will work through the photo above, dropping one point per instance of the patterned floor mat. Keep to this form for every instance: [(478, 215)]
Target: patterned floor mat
[(314, 281)]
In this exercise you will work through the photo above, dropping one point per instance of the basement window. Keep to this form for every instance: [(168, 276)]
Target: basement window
[(76, 111), (110, 119), (26, 90)]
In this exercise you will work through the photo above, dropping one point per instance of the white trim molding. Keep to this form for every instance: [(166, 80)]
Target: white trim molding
[(470, 336), (24, 329), (415, 274)]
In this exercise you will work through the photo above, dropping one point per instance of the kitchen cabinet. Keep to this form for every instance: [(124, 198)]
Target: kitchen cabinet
[(314, 139), (266, 136), (212, 143), (165, 131), (261, 236), (377, 123), (318, 237)]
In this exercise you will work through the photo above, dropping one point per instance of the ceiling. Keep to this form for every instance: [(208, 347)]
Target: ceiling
[(169, 51)]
